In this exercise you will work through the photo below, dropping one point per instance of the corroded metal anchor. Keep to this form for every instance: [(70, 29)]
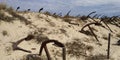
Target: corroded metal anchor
[(88, 25), (15, 44), (43, 46), (55, 43)]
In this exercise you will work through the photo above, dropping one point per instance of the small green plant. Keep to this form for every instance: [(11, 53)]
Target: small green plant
[(5, 33)]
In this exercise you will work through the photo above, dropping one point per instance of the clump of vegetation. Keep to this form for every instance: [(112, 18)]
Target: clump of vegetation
[(50, 23), (5, 33), (87, 32), (5, 18), (97, 57), (14, 15), (2, 6), (8, 50), (5, 7), (40, 38), (118, 35), (47, 13), (35, 57), (83, 17), (105, 37), (77, 48), (67, 20), (21, 18), (53, 15), (64, 32)]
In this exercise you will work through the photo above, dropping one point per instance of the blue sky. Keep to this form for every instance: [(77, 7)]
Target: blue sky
[(82, 7)]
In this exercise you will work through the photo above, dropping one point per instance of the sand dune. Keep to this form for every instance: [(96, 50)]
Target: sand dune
[(79, 46)]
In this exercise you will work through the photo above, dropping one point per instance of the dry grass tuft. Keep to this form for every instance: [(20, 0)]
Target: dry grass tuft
[(118, 35), (97, 57), (3, 6), (83, 18), (40, 38), (5, 18), (10, 10), (5, 33), (34, 57), (47, 13), (77, 48), (87, 32)]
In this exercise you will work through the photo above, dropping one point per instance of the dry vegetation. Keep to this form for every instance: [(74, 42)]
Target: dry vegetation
[(5, 33), (118, 35), (97, 57), (77, 48), (10, 11)]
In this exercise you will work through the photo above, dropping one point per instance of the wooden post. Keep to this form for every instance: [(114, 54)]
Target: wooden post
[(108, 51), (64, 53)]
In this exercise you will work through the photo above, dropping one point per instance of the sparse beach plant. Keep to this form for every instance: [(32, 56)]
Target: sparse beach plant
[(5, 33), (47, 13), (77, 48), (67, 20), (118, 35), (5, 18), (3, 6), (40, 38), (10, 11), (83, 18), (96, 57), (34, 57), (105, 37)]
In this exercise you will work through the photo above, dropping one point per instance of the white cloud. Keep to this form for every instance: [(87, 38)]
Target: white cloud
[(106, 6), (93, 2)]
